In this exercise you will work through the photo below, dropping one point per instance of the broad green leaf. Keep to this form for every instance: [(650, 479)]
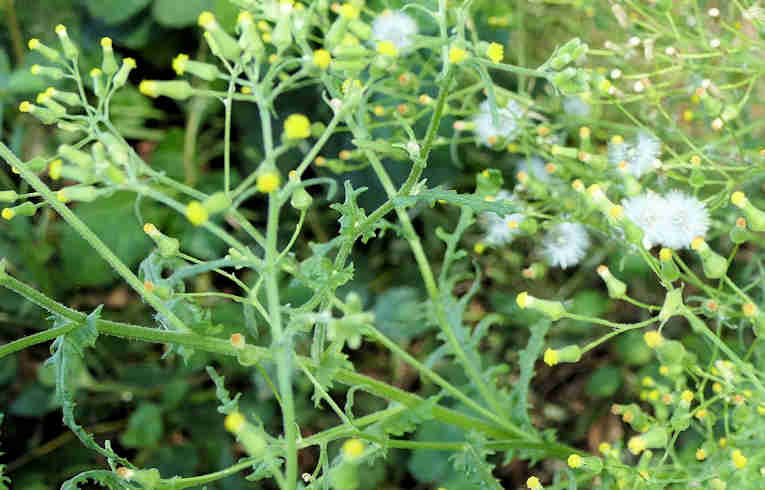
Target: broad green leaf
[(114, 221), (399, 314), (115, 11), (145, 427), (175, 13)]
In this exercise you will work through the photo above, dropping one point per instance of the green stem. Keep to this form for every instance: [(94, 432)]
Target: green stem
[(82, 229)]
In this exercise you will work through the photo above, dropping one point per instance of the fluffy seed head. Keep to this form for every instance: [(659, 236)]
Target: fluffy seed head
[(395, 27), (506, 129), (566, 244)]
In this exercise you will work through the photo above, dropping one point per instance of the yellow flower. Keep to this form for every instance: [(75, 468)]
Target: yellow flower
[(353, 449), (551, 357), (495, 52), (148, 87), (348, 11), (268, 182), (234, 422), (26, 106), (636, 445), (8, 213), (575, 461), (55, 169), (387, 48), (179, 63), (206, 19), (739, 199), (653, 338), (349, 85), (739, 460), (533, 483), (297, 126), (457, 55), (322, 58), (196, 213)]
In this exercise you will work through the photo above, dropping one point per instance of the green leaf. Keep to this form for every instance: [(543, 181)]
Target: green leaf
[(527, 358), (145, 427), (114, 221), (329, 364), (400, 314), (106, 478), (604, 382), (408, 420), (471, 461), (227, 405), (474, 202), (115, 11), (173, 13), (67, 355)]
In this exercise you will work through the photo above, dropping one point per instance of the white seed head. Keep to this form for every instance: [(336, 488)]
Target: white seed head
[(506, 129), (396, 27), (565, 244)]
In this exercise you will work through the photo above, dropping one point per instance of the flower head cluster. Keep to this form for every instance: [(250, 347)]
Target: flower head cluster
[(638, 156), (565, 244), (506, 129), (672, 221), (501, 230), (395, 27)]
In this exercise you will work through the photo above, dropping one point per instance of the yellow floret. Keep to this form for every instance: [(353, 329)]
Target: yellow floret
[(26, 107), (653, 338), (636, 445), (739, 199), (34, 43), (106, 43), (8, 213), (297, 126), (575, 461), (267, 182), (523, 299), (148, 87), (196, 213), (206, 19), (533, 483), (55, 169), (387, 48), (495, 52), (234, 422), (179, 63), (348, 11), (322, 58), (457, 55), (353, 448), (665, 254), (739, 460), (697, 243), (551, 357)]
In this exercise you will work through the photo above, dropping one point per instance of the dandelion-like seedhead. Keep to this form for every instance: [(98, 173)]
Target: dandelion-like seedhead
[(639, 155), (672, 221), (500, 230), (565, 244), (507, 127), (575, 106), (535, 167), (395, 27)]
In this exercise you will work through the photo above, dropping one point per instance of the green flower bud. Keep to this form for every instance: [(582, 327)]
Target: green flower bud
[(45, 99), (177, 89), (23, 209), (715, 266), (99, 87), (45, 115), (570, 353), (739, 234), (78, 157), (8, 196), (70, 127), (68, 98), (116, 148), (670, 352), (755, 217), (554, 309), (50, 53), (249, 39), (85, 193), (669, 269), (281, 37), (216, 203), (672, 303), (616, 288), (205, 71), (109, 64), (225, 45), (122, 75), (656, 437), (70, 49), (560, 61), (168, 246), (301, 199), (47, 71)]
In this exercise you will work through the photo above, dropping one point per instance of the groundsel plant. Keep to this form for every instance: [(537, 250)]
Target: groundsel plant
[(656, 165)]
